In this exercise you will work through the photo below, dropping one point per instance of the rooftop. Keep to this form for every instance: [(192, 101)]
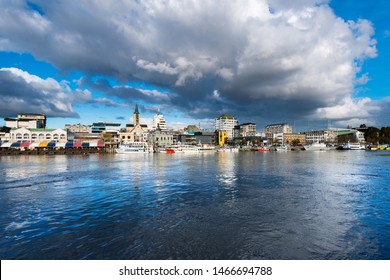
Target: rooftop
[(225, 116)]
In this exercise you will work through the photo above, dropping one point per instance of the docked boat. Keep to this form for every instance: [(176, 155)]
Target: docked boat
[(132, 147), (354, 146), (316, 147), (263, 149), (182, 149), (280, 148), (228, 150)]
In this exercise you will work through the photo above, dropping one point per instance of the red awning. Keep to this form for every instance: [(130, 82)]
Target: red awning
[(77, 143), (100, 143), (25, 144)]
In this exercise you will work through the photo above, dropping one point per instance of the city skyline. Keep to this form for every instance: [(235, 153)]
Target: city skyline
[(308, 63)]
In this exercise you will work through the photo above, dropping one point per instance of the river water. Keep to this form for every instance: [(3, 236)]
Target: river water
[(247, 205)]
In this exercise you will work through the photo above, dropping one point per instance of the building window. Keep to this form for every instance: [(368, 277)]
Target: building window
[(19, 136), (41, 136), (62, 136), (26, 136), (34, 136), (55, 137)]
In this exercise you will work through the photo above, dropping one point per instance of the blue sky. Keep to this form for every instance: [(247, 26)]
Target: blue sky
[(308, 63)]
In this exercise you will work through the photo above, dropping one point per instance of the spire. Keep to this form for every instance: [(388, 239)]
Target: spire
[(136, 116)]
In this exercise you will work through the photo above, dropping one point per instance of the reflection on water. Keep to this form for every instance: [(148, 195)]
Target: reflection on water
[(298, 205)]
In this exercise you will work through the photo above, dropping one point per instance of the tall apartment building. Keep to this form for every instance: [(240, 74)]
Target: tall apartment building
[(159, 121), (226, 123), (272, 129), (26, 121)]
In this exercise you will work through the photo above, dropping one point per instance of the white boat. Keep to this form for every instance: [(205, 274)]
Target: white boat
[(181, 149), (228, 150), (316, 147), (188, 149), (132, 147), (354, 146), (280, 148)]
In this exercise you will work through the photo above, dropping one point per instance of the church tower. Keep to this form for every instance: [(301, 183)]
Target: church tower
[(136, 116)]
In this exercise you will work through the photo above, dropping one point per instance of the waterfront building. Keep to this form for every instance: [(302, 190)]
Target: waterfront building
[(197, 138), (222, 138), (159, 138), (109, 127), (350, 135), (33, 134), (288, 138), (4, 133), (135, 132), (321, 136), (226, 123), (27, 121), (159, 121), (79, 128), (272, 129), (245, 130)]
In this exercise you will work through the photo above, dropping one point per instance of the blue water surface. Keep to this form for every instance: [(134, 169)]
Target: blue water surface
[(247, 205)]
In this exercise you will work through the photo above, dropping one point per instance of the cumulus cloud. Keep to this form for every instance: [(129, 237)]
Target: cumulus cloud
[(349, 108), (21, 92), (266, 58)]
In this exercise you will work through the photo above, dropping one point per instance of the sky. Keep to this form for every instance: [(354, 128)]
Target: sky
[(310, 63)]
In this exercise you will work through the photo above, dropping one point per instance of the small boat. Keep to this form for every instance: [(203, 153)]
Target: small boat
[(282, 148), (316, 147), (132, 147), (262, 149)]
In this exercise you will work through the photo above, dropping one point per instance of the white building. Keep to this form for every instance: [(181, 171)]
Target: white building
[(226, 123), (159, 121), (32, 134), (321, 136), (27, 120)]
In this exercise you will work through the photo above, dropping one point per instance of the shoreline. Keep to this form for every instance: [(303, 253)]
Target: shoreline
[(45, 151)]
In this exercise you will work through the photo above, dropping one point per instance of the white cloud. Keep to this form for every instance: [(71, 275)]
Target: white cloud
[(298, 52), (349, 109), (21, 92)]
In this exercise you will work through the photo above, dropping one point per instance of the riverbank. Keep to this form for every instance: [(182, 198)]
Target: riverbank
[(65, 151)]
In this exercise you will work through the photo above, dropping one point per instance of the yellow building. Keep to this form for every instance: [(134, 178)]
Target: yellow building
[(290, 137), (222, 137)]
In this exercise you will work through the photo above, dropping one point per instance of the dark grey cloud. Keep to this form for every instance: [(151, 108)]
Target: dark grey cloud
[(21, 91), (266, 59)]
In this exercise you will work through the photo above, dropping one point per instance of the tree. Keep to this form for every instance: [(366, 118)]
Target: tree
[(372, 135), (295, 142), (385, 135)]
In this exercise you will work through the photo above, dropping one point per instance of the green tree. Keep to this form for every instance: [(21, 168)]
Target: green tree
[(385, 135), (295, 142), (372, 135)]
